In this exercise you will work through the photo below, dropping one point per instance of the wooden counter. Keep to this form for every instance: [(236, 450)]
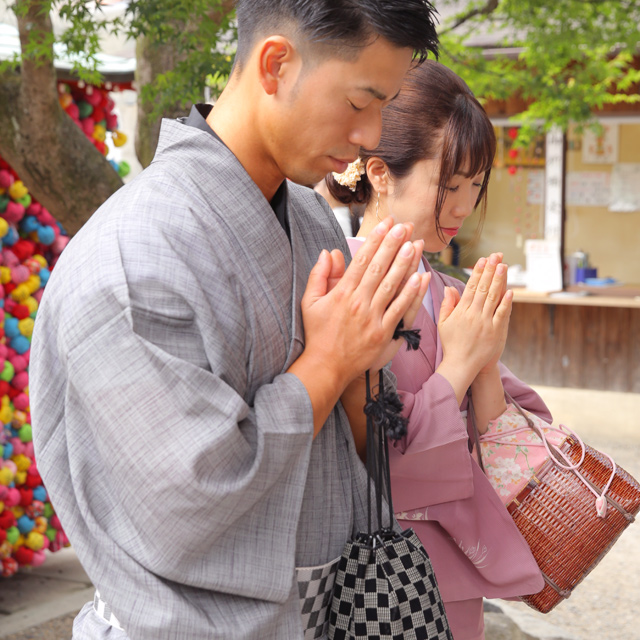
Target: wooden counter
[(624, 296), (590, 342)]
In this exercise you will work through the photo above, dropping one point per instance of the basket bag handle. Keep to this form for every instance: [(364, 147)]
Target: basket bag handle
[(556, 455)]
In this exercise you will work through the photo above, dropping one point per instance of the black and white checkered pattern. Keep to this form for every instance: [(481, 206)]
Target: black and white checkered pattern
[(387, 592), (104, 611), (315, 585)]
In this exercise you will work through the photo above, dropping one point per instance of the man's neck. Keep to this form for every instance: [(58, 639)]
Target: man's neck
[(236, 127)]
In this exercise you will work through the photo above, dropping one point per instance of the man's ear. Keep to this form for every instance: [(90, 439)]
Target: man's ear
[(379, 176), (277, 58)]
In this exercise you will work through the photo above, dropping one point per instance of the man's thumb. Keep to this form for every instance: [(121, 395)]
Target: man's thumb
[(317, 283)]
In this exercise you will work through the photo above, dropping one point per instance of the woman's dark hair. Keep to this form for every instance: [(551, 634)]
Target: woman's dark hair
[(343, 27), (435, 117)]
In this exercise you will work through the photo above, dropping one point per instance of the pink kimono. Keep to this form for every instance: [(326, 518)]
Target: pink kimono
[(474, 546)]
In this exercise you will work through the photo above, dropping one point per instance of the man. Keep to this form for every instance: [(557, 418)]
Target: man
[(188, 429)]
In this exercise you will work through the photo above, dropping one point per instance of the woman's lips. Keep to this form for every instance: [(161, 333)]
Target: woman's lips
[(450, 231)]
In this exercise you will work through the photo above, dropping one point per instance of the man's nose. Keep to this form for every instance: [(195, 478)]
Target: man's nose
[(366, 132)]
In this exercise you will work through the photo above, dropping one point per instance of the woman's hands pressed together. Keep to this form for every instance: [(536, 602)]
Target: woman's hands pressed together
[(473, 327)]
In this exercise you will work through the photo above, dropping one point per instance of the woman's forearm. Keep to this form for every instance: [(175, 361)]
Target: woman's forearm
[(487, 394)]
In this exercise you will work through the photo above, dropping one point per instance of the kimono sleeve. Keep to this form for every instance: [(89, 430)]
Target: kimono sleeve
[(216, 481)]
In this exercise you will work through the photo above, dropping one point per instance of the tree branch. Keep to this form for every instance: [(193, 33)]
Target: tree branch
[(488, 9)]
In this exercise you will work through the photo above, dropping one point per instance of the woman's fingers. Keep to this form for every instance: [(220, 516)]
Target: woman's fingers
[(496, 290), (472, 284), (484, 286), (503, 312)]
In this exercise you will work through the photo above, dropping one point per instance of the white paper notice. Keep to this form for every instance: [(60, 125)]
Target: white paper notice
[(588, 188), (625, 187), (535, 186), (544, 267)]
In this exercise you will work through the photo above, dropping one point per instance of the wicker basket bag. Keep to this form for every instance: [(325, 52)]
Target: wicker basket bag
[(569, 501)]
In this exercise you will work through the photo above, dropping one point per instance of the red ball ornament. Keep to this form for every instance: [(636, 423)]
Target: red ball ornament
[(26, 497), (23, 555), (512, 170), (513, 133), (513, 153)]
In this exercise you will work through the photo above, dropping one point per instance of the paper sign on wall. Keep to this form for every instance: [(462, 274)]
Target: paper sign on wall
[(588, 188), (625, 187), (600, 149), (535, 186)]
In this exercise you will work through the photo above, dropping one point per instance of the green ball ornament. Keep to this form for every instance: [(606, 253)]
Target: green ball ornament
[(7, 372), (13, 534), (124, 168), (85, 109), (25, 433)]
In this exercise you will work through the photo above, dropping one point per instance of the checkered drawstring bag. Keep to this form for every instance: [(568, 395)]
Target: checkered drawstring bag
[(385, 586)]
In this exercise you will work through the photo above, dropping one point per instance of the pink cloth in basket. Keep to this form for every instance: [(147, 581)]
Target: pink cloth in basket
[(519, 454)]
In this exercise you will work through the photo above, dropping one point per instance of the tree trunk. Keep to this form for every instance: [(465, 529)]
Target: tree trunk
[(152, 59), (51, 154)]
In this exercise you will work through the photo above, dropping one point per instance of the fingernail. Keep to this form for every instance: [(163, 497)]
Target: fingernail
[(414, 280), (481, 262), (398, 231), (494, 259), (381, 228), (407, 250), (500, 269), (322, 255)]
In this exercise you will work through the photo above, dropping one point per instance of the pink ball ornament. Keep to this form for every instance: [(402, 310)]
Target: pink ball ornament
[(20, 274), (20, 380), (13, 497), (14, 212), (88, 125), (9, 258), (6, 179), (46, 218), (19, 362), (59, 244), (34, 209), (38, 557), (21, 401)]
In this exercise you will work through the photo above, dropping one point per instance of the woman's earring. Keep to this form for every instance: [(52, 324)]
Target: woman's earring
[(378, 208)]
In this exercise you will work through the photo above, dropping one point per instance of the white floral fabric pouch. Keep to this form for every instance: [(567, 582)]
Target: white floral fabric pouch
[(512, 451)]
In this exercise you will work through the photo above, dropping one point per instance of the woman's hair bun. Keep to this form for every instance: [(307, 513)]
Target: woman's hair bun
[(345, 195)]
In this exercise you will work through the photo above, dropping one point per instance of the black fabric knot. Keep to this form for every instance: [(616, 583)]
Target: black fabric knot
[(385, 410), (411, 336)]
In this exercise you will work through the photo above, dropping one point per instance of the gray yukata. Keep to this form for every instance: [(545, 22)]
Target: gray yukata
[(176, 450)]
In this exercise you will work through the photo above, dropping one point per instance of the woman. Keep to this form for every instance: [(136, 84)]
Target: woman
[(432, 168)]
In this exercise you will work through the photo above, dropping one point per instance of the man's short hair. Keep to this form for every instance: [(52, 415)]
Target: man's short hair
[(339, 27)]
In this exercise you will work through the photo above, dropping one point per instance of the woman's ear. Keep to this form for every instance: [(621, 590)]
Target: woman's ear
[(278, 62), (378, 174)]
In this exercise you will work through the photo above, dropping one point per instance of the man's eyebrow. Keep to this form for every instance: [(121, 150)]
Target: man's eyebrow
[(375, 93)]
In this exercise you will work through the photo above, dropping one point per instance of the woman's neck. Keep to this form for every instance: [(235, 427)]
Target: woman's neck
[(369, 221)]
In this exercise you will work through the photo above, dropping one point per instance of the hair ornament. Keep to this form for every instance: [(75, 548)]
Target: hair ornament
[(351, 175)]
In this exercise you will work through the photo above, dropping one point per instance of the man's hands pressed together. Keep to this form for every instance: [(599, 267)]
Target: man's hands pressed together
[(350, 316)]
